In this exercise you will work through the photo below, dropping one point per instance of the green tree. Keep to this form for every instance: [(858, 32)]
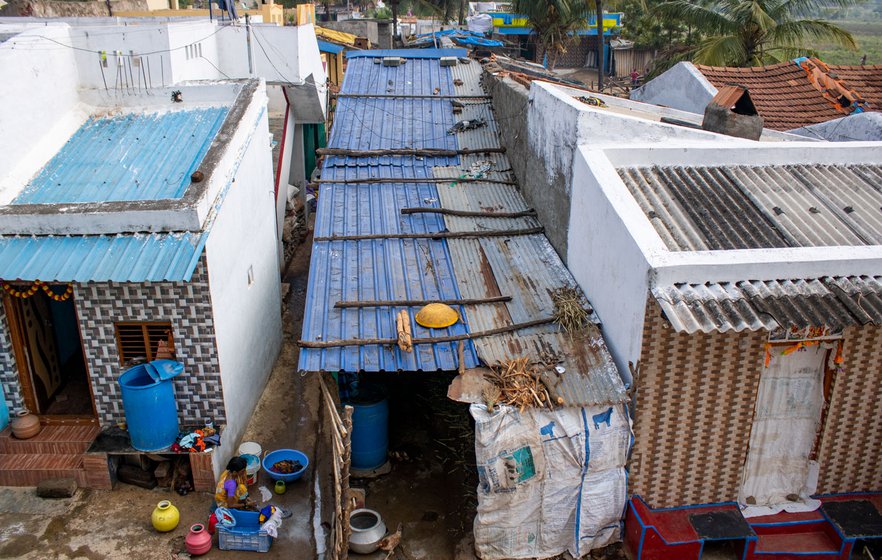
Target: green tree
[(555, 22), (756, 32)]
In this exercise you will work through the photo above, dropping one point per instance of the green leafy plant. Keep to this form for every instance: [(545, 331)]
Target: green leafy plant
[(756, 32)]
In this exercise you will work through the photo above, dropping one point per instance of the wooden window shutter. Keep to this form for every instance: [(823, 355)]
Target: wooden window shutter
[(144, 342)]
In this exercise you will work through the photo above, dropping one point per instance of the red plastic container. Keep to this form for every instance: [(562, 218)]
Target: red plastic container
[(198, 541)]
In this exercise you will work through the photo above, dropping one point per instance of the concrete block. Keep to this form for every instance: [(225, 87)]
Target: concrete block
[(57, 488)]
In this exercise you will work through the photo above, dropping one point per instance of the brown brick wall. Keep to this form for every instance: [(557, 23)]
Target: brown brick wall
[(851, 444), (693, 412)]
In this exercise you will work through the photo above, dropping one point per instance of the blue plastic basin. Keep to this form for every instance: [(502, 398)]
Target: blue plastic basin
[(280, 455)]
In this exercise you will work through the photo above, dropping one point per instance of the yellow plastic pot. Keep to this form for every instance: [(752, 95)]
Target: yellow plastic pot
[(165, 517), (437, 316)]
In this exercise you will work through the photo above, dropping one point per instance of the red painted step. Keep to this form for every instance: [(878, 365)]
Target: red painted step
[(53, 439), (31, 469)]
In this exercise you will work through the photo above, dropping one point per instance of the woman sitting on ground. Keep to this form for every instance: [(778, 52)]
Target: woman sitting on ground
[(231, 491)]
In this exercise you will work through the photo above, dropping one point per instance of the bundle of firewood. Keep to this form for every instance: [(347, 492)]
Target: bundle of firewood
[(517, 383)]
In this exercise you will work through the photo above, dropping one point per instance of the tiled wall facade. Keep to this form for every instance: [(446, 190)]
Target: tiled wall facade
[(851, 445), (187, 306), (8, 369), (693, 413)]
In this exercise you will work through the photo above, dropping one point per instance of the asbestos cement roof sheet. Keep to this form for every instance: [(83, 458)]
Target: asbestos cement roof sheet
[(837, 303), (136, 156), (753, 207), (147, 257)]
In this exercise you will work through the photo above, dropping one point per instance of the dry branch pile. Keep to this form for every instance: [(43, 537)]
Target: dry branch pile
[(569, 310), (518, 383)]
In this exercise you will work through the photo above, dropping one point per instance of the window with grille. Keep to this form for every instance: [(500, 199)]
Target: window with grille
[(143, 342)]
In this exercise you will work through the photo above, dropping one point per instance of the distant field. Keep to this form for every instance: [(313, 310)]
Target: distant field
[(869, 38)]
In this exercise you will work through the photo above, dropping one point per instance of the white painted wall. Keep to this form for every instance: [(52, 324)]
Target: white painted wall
[(40, 106), (194, 52), (605, 258), (682, 87), (247, 319), (137, 39)]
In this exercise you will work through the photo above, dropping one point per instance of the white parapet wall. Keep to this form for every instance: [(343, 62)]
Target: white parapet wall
[(243, 271)]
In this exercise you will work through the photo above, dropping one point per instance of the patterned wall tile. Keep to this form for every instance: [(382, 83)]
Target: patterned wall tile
[(8, 368), (187, 306), (693, 413)]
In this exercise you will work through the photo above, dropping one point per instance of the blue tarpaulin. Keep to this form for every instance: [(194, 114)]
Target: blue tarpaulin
[(458, 36)]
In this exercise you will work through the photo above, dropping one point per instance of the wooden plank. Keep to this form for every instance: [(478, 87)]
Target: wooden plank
[(438, 235), (411, 96), (416, 152), (421, 180), (418, 302), (429, 340), (469, 213)]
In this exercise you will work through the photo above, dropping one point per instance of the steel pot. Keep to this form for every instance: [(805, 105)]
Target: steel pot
[(368, 530)]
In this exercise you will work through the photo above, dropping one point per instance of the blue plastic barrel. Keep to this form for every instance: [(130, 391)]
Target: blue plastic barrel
[(4, 411), (370, 429), (151, 409)]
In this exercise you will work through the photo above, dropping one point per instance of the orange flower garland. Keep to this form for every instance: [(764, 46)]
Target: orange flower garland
[(35, 287)]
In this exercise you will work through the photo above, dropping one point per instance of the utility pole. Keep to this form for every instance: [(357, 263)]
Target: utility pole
[(598, 4), (248, 43), (394, 21)]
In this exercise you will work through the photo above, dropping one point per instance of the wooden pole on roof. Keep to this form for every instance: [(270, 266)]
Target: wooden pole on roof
[(598, 5)]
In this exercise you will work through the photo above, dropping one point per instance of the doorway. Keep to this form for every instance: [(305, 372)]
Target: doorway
[(789, 406), (49, 350)]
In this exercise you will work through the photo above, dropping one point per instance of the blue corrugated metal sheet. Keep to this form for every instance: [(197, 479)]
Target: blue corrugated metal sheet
[(148, 257), (383, 269), (130, 157), (332, 48)]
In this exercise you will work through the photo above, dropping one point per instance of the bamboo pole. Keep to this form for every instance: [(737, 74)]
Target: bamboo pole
[(416, 152), (347, 462), (369, 180), (437, 235), (418, 302), (428, 340), (469, 213), (402, 96)]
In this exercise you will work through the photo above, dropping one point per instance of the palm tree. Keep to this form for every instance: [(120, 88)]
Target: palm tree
[(555, 22), (756, 32)]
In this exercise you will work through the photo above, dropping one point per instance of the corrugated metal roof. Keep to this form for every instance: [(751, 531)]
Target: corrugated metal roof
[(325, 46), (753, 305), (524, 267), (148, 257), (137, 156), (752, 207)]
